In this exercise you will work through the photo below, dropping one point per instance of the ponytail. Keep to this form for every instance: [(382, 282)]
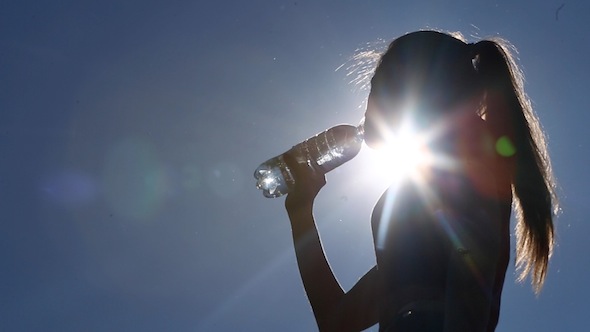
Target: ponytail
[(510, 115)]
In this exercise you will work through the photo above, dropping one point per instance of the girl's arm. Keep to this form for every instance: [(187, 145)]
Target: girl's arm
[(334, 309)]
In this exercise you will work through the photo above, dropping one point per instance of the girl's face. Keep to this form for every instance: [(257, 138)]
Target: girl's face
[(417, 87), (395, 102), (371, 125)]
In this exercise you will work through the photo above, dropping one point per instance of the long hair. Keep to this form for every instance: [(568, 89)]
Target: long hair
[(533, 186), (487, 68)]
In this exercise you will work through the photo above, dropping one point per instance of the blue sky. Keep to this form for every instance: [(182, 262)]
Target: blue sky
[(129, 132)]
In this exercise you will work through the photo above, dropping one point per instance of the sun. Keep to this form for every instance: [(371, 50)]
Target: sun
[(405, 154)]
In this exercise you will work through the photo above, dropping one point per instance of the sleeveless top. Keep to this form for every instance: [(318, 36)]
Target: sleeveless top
[(418, 225)]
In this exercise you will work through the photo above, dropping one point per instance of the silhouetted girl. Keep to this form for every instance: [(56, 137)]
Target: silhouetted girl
[(442, 240)]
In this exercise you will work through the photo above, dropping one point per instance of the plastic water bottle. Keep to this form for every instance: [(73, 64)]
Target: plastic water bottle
[(329, 149)]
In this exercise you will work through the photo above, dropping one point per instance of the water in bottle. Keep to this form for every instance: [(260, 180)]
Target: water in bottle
[(328, 150)]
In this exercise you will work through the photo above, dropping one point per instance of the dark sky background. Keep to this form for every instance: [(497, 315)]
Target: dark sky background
[(129, 132)]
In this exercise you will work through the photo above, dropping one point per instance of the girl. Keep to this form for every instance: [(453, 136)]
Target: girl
[(441, 241)]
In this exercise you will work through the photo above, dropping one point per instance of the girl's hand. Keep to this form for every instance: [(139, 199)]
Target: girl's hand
[(309, 179)]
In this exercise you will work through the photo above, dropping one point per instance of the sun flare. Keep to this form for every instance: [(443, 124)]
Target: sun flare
[(404, 154)]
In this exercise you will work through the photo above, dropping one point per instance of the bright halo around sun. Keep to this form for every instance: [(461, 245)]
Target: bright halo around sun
[(405, 154)]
